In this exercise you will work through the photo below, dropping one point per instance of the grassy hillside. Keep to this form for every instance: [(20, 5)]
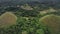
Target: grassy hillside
[(52, 22), (7, 19)]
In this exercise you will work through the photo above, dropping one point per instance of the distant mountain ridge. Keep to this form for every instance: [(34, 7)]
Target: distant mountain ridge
[(32, 2), (28, 0)]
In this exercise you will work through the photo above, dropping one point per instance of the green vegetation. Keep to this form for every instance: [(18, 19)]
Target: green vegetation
[(40, 31), (30, 19), (24, 26)]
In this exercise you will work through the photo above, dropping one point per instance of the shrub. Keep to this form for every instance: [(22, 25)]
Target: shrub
[(40, 31)]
